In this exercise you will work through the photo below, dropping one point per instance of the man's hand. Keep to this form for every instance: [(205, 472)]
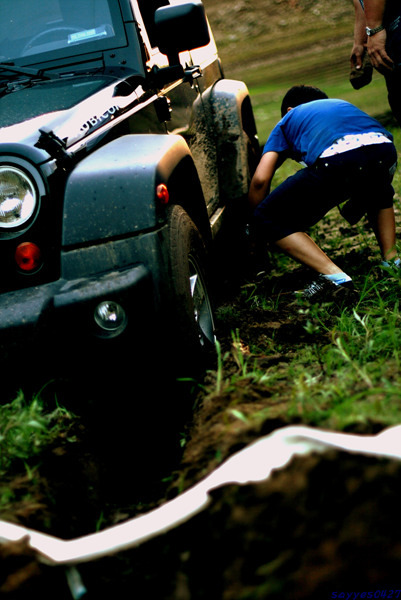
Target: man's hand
[(357, 53), (377, 52)]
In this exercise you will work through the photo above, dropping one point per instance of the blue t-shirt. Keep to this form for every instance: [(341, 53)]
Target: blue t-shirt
[(308, 129)]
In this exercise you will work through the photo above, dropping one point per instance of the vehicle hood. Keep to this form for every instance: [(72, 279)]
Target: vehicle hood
[(70, 109), (46, 97)]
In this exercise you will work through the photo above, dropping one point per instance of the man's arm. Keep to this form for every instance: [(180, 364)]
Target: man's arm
[(261, 181), (374, 12), (359, 46)]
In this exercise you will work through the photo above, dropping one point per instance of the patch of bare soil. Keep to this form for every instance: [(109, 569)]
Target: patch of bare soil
[(258, 38), (323, 524)]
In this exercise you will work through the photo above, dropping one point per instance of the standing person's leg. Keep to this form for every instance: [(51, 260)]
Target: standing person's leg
[(393, 48)]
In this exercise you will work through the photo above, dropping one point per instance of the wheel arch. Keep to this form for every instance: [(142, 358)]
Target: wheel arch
[(186, 190), (237, 142), (112, 192)]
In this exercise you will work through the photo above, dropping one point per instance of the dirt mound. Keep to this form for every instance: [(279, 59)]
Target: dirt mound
[(325, 524)]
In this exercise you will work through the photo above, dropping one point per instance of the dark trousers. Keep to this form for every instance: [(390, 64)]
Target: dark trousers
[(362, 176), (392, 22)]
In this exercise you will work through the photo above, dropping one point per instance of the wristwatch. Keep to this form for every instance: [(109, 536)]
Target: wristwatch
[(371, 32)]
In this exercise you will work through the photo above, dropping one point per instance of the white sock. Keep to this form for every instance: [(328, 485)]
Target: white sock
[(338, 278), (392, 263)]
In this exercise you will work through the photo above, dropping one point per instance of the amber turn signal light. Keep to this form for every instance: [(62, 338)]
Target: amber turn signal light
[(162, 193)]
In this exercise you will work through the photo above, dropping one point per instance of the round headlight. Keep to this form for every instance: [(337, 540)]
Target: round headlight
[(18, 197)]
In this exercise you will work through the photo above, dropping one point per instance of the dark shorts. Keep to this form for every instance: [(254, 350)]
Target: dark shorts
[(362, 176)]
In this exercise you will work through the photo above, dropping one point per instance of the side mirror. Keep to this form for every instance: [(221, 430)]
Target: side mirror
[(181, 27)]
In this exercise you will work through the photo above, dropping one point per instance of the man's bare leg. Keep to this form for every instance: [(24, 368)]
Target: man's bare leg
[(303, 249), (383, 224)]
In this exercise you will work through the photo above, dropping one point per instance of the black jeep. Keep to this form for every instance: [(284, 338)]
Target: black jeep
[(122, 148)]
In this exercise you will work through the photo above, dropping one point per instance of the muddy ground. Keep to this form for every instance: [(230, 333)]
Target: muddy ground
[(324, 524)]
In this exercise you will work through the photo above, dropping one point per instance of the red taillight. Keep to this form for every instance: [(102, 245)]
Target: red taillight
[(28, 256), (162, 193)]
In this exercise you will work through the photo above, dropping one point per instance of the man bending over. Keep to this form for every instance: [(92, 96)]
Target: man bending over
[(348, 155)]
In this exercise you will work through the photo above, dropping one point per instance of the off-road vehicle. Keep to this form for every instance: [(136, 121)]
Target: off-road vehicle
[(122, 148)]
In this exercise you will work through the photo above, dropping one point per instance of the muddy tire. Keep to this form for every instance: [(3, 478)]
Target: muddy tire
[(192, 325)]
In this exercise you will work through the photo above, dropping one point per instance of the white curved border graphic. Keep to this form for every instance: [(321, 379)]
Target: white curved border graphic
[(253, 464)]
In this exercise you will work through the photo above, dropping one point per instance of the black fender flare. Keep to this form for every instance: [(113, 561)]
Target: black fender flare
[(112, 192), (238, 150)]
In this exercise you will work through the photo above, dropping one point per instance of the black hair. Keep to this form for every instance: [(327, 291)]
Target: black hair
[(300, 94)]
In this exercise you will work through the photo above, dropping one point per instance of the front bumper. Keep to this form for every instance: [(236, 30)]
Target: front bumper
[(61, 313)]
